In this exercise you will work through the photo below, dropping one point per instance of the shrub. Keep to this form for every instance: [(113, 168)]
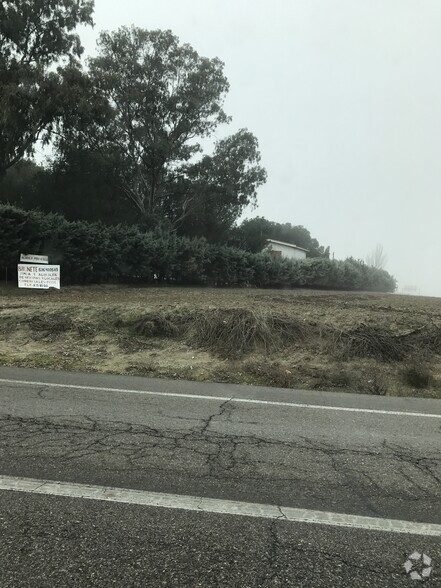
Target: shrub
[(418, 376), (94, 253)]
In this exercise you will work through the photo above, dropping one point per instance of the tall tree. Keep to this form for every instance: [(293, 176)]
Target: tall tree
[(35, 35), (164, 98)]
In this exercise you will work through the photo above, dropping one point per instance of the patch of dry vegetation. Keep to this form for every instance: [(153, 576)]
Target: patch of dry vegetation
[(236, 332), (381, 343), (377, 344), (230, 333)]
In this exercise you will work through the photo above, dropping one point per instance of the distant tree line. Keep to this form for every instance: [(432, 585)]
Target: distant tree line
[(95, 252)]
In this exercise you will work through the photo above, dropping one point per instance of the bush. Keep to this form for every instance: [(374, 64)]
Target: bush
[(96, 253), (418, 376)]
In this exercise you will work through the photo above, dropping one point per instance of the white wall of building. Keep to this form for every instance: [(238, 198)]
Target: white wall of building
[(288, 252)]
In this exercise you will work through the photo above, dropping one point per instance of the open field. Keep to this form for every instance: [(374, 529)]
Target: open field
[(372, 343)]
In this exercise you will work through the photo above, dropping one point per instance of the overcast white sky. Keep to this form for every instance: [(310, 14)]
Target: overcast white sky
[(345, 99)]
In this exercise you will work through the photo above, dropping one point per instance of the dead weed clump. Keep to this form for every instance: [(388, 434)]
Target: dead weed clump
[(370, 341), (381, 343), (234, 332), (426, 339), (55, 324), (51, 324), (418, 375), (156, 325), (227, 332)]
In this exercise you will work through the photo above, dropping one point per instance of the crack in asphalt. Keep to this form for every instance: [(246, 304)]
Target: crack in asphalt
[(119, 446), (222, 410), (390, 471)]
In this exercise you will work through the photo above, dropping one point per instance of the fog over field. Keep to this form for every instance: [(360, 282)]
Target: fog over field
[(345, 99)]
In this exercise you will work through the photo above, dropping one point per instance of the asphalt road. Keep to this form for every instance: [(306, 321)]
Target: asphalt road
[(338, 453)]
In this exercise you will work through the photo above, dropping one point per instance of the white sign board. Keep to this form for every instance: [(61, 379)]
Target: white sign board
[(38, 276), (34, 258)]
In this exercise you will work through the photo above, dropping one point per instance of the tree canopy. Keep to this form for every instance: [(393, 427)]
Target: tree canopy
[(163, 98), (216, 190), (35, 36)]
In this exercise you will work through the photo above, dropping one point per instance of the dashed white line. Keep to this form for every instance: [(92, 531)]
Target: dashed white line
[(230, 399), (215, 506)]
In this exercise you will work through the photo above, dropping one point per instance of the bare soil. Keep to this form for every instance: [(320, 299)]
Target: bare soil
[(372, 343)]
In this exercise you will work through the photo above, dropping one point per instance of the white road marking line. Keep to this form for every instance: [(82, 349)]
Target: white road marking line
[(214, 505), (228, 399)]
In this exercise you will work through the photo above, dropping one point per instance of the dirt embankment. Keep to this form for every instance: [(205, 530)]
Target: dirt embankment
[(377, 344)]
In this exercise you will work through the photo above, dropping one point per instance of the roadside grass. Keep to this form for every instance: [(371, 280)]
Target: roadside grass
[(375, 344)]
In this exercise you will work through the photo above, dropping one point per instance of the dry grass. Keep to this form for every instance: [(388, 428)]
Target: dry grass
[(381, 343), (157, 325), (235, 332), (52, 323), (370, 341), (306, 339), (229, 333), (418, 375)]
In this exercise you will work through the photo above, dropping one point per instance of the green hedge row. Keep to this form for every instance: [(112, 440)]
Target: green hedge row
[(96, 253)]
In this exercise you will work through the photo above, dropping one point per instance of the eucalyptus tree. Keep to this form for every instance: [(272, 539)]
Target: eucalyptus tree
[(164, 99)]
